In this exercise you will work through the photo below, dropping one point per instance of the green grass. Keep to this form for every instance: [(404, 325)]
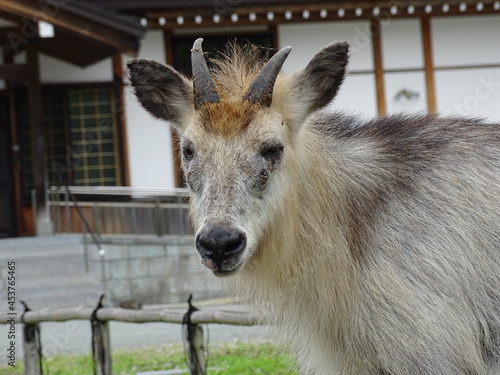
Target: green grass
[(229, 358)]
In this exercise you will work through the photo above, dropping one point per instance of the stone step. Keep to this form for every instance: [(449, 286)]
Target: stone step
[(34, 242), (36, 267), (50, 271), (41, 251), (45, 261)]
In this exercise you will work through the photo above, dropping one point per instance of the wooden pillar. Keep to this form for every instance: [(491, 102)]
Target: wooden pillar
[(119, 108), (429, 64), (16, 156), (169, 59), (43, 223), (101, 347), (378, 66), (32, 350), (194, 347)]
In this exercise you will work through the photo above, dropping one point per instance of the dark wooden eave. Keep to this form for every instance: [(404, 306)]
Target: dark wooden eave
[(172, 14), (84, 33)]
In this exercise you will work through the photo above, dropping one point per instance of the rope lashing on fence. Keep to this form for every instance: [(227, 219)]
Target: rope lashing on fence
[(26, 309), (194, 347), (100, 316), (100, 342), (32, 343), (191, 309)]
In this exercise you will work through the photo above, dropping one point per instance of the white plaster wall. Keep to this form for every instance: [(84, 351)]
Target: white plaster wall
[(469, 92), (149, 141), (401, 44), (466, 40), (309, 38), (57, 71), (357, 93), (462, 41)]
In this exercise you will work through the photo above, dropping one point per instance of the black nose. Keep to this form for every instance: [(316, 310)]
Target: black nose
[(220, 244)]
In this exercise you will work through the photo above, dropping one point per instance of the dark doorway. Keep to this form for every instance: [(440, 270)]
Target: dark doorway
[(7, 205), (213, 44)]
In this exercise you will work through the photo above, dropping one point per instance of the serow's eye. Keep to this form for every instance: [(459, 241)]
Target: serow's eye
[(188, 153), (272, 152)]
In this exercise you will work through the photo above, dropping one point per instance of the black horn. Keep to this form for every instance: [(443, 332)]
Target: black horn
[(203, 87), (261, 89)]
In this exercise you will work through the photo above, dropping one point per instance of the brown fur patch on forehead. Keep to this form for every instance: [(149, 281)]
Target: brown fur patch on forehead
[(227, 118), (234, 70)]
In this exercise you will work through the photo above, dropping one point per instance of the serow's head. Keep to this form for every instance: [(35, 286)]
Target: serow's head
[(239, 125)]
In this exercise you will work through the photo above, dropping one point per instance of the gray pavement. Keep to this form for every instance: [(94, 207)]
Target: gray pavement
[(73, 337)]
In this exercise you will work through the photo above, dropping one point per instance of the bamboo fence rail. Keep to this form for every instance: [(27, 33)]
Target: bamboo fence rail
[(100, 316)]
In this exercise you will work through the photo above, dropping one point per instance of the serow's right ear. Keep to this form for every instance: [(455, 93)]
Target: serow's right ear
[(162, 91)]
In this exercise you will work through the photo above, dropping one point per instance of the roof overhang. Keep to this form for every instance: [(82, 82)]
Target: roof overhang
[(83, 33), (176, 14)]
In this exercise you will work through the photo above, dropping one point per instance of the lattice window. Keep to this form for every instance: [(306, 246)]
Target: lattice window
[(80, 137), (92, 132)]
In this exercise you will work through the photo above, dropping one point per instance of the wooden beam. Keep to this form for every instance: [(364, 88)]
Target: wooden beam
[(429, 65), (43, 225), (11, 72), (121, 117), (176, 163), (7, 33), (75, 49), (349, 12), (378, 66), (16, 157), (64, 314)]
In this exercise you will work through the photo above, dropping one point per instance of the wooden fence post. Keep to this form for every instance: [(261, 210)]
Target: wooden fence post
[(194, 346), (194, 343), (32, 350), (101, 345), (101, 348)]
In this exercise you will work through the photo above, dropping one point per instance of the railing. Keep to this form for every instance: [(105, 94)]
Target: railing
[(121, 210), (99, 318)]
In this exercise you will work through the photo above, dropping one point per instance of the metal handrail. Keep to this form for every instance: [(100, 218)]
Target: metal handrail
[(119, 190), (131, 210), (92, 233)]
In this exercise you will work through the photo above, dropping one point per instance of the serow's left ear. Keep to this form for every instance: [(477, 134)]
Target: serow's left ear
[(318, 83)]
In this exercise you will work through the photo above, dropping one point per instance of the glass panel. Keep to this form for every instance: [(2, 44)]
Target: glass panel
[(80, 135), (93, 132)]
